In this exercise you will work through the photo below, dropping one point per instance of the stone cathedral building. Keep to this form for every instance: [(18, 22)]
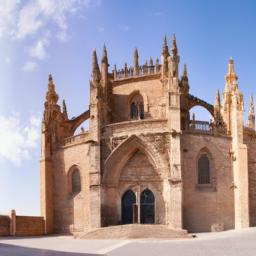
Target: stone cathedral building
[(145, 158)]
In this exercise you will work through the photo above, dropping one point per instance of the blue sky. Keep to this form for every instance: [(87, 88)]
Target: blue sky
[(45, 36)]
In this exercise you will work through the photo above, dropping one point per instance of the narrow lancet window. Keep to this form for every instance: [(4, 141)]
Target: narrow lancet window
[(134, 111), (203, 170), (76, 181), (137, 107)]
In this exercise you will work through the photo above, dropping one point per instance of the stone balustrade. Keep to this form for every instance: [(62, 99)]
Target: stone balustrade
[(136, 72), (201, 126), (76, 139), (136, 126)]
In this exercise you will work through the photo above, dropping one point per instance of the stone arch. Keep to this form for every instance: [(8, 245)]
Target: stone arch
[(121, 154), (143, 95), (194, 101), (212, 172)]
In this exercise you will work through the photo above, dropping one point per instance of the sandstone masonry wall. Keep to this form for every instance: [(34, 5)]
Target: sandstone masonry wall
[(71, 211), (152, 92), (4, 225), (204, 206), (250, 141), (29, 226)]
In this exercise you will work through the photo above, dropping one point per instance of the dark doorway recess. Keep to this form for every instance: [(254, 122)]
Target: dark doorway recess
[(147, 207), (128, 207)]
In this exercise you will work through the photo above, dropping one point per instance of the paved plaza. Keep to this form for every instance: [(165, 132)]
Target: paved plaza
[(242, 242)]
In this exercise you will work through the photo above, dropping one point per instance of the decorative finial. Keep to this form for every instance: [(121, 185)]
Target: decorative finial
[(251, 116), (50, 78), (174, 45), (64, 109), (165, 51), (251, 105), (95, 67), (151, 62), (231, 76), (185, 73), (136, 62), (51, 96), (136, 55), (104, 55), (217, 99)]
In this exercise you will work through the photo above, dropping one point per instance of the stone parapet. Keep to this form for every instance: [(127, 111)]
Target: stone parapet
[(136, 127), (77, 139)]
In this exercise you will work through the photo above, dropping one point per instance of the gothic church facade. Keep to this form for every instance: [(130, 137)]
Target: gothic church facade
[(144, 158)]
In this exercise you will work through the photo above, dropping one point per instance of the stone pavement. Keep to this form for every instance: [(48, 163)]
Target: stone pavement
[(242, 242)]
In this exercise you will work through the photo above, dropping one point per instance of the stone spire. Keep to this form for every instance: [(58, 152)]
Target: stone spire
[(184, 80), (157, 65), (251, 116), (64, 110), (217, 106), (217, 99), (51, 95), (231, 77), (95, 67), (104, 55), (174, 60), (165, 54), (165, 51), (185, 73), (174, 46), (136, 62)]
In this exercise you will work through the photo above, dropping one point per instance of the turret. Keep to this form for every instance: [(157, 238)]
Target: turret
[(52, 115), (234, 118), (231, 77), (52, 109), (230, 87), (251, 117), (173, 111)]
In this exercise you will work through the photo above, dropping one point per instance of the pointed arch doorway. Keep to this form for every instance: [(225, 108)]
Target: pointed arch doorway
[(129, 208), (147, 207)]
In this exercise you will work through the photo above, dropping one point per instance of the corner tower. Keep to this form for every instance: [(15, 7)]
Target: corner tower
[(174, 126)]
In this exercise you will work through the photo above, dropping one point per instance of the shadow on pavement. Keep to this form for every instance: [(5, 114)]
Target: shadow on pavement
[(13, 250)]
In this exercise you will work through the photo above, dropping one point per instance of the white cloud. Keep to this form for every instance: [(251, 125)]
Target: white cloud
[(28, 21), (18, 140), (8, 12), (29, 66), (124, 27), (8, 60), (33, 18), (100, 29), (22, 19), (38, 51)]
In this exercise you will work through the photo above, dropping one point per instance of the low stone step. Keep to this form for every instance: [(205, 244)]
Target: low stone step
[(135, 231)]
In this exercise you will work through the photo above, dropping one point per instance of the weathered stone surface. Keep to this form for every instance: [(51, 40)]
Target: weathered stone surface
[(141, 137)]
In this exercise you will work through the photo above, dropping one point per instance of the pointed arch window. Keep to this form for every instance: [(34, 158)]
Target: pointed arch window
[(204, 169), (75, 181), (137, 107), (134, 111)]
